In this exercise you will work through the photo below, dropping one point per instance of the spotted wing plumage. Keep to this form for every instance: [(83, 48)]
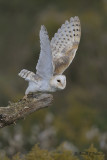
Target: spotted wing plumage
[(65, 43)]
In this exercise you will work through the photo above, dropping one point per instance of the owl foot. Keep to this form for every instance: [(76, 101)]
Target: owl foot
[(30, 95), (25, 97)]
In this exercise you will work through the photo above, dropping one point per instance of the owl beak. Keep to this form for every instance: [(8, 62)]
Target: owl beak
[(63, 85)]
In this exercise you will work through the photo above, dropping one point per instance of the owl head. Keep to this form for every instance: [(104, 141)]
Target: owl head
[(58, 82)]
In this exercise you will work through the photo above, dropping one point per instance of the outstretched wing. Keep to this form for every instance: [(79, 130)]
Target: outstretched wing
[(65, 44), (45, 63), (29, 76)]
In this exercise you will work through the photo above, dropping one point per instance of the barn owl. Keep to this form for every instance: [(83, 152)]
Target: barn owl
[(55, 57)]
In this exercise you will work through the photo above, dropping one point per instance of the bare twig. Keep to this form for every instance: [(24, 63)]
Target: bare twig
[(15, 111)]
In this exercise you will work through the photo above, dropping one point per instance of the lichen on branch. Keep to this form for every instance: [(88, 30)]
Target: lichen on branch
[(19, 110)]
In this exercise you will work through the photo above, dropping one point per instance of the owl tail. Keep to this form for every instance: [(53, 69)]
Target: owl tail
[(27, 75)]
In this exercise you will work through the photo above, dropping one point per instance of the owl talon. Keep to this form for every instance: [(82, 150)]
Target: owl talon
[(25, 97), (30, 95)]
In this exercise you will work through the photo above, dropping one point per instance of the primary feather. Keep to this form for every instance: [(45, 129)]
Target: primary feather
[(45, 63), (28, 75), (65, 43)]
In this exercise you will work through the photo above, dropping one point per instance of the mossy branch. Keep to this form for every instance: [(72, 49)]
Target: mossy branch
[(19, 110)]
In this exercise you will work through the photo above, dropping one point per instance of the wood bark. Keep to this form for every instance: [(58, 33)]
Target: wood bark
[(19, 110)]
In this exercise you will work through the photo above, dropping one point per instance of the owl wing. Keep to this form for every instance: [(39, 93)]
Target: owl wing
[(45, 63), (65, 44)]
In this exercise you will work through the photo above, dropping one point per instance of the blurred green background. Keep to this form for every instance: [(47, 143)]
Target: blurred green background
[(78, 116)]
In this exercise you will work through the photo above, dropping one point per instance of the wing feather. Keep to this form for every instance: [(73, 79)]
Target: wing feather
[(65, 44), (45, 63)]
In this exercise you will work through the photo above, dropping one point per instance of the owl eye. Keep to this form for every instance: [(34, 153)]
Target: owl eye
[(58, 81)]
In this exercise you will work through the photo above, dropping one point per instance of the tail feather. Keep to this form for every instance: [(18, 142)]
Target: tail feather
[(27, 75)]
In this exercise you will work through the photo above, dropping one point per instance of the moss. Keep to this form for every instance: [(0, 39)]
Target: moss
[(41, 154), (38, 154), (65, 155), (93, 154)]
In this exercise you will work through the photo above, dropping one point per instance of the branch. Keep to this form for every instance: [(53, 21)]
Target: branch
[(19, 110)]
